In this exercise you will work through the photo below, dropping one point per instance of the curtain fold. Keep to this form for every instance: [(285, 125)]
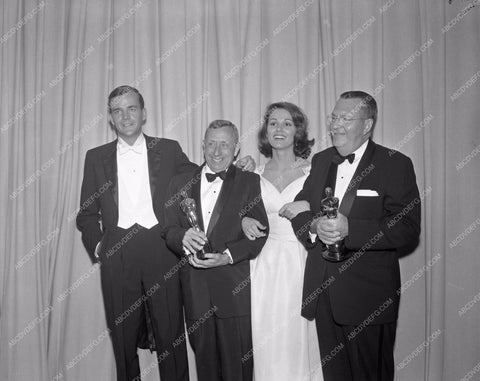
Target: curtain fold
[(195, 61)]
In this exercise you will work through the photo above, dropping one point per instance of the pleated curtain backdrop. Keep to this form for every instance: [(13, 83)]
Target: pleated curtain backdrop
[(199, 60)]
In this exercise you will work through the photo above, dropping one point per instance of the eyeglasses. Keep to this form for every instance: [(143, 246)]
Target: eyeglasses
[(342, 120)]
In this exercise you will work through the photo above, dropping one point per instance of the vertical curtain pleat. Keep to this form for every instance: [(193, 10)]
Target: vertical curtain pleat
[(462, 176)]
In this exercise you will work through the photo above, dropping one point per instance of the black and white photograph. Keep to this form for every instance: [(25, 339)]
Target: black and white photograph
[(239, 190)]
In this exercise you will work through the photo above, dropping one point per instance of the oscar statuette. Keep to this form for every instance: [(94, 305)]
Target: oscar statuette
[(335, 252), (189, 207)]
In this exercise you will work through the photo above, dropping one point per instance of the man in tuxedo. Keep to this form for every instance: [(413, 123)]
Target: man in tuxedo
[(355, 301), (218, 317), (121, 218)]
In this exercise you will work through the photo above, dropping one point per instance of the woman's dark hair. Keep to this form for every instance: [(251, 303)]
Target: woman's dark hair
[(302, 146)]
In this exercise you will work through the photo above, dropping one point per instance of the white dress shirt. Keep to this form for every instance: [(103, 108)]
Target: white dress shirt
[(346, 171), (209, 192), (134, 196)]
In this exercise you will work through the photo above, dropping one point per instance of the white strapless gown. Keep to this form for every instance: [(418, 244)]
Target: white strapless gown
[(285, 345)]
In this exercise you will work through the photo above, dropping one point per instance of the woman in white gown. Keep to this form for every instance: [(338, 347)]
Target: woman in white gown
[(285, 345)]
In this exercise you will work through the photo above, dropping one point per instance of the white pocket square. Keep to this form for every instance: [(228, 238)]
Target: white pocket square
[(367, 193)]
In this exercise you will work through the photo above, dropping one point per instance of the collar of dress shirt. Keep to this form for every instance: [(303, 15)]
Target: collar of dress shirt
[(358, 154), (137, 147)]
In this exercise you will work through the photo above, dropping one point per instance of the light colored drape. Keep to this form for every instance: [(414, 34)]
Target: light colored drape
[(199, 60)]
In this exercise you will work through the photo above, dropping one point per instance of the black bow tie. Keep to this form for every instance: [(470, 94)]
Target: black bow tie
[(338, 159), (213, 176)]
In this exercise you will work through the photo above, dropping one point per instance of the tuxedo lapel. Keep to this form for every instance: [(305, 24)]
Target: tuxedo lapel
[(154, 156), (225, 191), (357, 179), (110, 167), (197, 196), (324, 175), (331, 177)]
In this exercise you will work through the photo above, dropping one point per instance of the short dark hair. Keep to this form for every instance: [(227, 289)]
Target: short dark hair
[(302, 146), (368, 103), (219, 123), (125, 89)]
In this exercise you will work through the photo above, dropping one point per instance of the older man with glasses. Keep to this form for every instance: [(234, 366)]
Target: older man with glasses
[(354, 296)]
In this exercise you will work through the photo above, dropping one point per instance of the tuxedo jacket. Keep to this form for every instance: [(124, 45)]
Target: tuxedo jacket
[(382, 206), (99, 195), (226, 287)]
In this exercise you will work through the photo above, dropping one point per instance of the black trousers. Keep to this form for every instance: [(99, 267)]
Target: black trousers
[(223, 348), (134, 272), (351, 353)]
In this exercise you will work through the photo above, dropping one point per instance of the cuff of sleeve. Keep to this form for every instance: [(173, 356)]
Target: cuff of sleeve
[(97, 250), (313, 237), (227, 252)]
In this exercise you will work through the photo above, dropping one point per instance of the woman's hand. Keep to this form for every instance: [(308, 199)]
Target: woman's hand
[(246, 164), (291, 209), (252, 228)]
